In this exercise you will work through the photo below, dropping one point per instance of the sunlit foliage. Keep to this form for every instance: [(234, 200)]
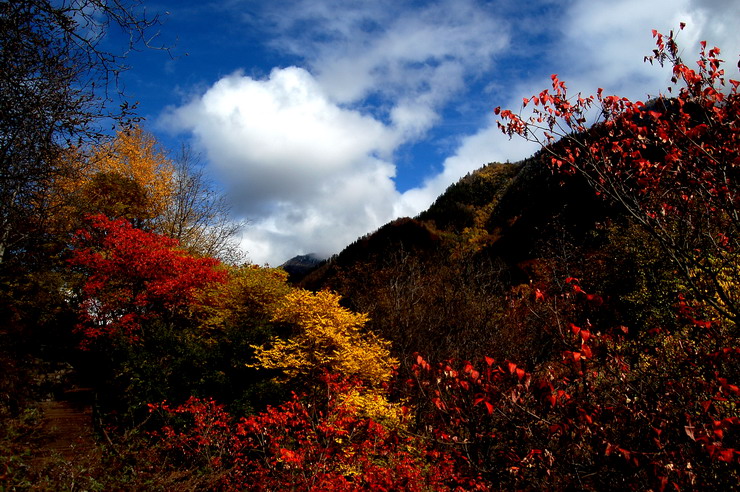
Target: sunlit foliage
[(328, 336)]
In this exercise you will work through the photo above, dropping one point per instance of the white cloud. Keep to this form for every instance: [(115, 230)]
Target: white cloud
[(412, 60), (604, 42), (309, 175), (305, 156)]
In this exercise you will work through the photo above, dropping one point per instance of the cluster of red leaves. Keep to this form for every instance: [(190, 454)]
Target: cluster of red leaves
[(305, 444), (604, 415), (686, 144), (134, 276), (665, 403)]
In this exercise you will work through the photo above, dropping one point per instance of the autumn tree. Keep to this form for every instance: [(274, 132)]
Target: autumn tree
[(135, 155), (124, 178), (55, 88), (133, 277), (250, 297), (133, 177), (144, 312), (113, 195), (198, 214), (327, 337)]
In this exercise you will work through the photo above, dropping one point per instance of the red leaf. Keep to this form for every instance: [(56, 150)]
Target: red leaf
[(586, 351), (439, 403), (726, 455)]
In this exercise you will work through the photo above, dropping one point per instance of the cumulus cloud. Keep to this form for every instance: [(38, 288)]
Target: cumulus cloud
[(603, 43), (411, 60), (310, 175), (306, 156)]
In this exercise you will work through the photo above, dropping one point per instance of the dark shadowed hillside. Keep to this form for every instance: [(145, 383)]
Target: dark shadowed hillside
[(500, 227)]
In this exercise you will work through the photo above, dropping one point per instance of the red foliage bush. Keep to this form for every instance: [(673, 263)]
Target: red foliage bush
[(309, 444), (134, 276)]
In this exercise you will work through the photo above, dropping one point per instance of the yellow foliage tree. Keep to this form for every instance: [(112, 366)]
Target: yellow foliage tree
[(329, 337), (127, 177), (252, 294), (135, 155)]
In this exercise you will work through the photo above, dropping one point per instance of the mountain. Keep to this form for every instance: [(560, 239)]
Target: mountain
[(437, 283), (299, 266), (501, 211)]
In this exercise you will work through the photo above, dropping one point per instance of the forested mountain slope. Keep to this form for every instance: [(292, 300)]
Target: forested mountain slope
[(437, 283)]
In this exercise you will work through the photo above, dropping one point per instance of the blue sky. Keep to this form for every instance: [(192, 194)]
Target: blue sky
[(325, 119)]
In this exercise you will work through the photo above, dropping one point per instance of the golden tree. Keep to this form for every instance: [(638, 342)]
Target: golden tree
[(135, 155), (329, 337)]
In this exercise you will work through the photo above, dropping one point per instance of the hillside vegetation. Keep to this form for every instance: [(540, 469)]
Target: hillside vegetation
[(566, 322)]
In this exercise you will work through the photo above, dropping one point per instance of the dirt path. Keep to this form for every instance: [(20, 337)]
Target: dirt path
[(67, 429)]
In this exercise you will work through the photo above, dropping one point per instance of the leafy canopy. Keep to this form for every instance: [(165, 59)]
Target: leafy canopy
[(328, 337)]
